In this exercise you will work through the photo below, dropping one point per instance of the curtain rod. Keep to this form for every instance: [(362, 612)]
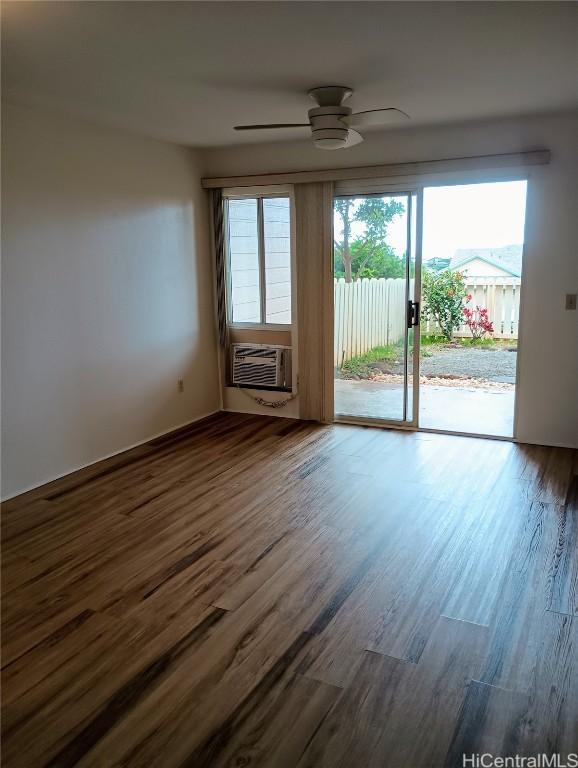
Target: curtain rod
[(508, 160)]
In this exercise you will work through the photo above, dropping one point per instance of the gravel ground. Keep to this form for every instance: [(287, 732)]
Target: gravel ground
[(497, 365), (396, 380)]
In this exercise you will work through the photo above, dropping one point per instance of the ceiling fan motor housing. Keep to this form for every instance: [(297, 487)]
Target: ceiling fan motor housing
[(328, 127), (333, 125)]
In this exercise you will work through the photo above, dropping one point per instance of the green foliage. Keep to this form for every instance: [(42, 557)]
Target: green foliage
[(429, 341), (361, 365), (486, 343), (376, 214), (370, 261), (477, 342), (366, 254), (443, 295)]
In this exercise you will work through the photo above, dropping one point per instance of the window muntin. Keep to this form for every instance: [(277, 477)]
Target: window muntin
[(259, 260)]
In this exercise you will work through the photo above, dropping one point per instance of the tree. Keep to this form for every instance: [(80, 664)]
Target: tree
[(381, 262), (443, 294), (366, 254)]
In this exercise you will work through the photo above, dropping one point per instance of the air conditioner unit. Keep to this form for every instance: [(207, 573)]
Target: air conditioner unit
[(260, 366)]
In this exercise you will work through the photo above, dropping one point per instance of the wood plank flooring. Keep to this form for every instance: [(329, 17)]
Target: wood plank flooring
[(267, 592)]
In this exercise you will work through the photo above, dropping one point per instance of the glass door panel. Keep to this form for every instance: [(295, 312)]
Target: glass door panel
[(373, 284), (473, 240), (413, 317)]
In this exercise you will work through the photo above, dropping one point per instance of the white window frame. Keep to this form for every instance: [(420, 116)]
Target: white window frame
[(241, 193)]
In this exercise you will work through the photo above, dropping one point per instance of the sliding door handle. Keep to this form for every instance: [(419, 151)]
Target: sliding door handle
[(416, 313), (412, 314)]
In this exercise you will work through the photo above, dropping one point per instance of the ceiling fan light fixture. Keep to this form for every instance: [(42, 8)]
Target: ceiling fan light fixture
[(330, 138)]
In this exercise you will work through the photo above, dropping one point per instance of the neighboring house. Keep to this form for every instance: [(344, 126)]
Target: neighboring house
[(483, 262)]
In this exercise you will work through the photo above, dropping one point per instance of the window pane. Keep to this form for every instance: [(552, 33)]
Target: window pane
[(277, 231), (244, 261)]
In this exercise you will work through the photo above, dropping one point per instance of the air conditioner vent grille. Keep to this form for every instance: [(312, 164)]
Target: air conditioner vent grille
[(261, 366)]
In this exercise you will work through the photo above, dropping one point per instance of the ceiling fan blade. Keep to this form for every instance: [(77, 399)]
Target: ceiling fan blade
[(271, 125), (376, 117), (353, 138)]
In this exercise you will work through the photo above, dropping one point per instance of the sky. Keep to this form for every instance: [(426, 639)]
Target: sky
[(472, 216), (467, 216)]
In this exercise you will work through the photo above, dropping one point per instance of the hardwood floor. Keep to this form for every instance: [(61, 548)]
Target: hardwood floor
[(267, 592)]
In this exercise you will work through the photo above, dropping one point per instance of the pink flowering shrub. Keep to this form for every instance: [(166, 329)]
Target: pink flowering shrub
[(477, 320)]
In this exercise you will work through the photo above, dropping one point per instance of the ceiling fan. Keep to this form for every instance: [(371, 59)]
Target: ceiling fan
[(333, 125)]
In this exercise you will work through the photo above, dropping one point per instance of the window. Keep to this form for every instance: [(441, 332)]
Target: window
[(259, 260)]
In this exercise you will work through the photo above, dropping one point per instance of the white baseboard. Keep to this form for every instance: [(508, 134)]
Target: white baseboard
[(110, 455)]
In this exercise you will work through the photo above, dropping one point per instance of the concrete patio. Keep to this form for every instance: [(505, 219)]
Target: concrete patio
[(476, 410)]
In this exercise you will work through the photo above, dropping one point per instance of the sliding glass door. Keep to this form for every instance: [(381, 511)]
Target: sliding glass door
[(473, 240), (457, 371), (375, 307)]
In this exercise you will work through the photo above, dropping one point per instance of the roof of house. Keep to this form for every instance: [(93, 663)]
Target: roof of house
[(508, 258)]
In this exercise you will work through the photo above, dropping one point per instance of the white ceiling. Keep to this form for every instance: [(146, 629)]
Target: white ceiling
[(188, 71)]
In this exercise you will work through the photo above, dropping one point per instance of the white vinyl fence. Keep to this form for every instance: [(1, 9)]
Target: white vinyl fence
[(372, 312), (500, 296)]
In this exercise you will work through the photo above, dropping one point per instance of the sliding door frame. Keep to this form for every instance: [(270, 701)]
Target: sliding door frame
[(413, 193), (415, 185)]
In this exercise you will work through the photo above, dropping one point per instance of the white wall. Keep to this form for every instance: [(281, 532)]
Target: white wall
[(106, 295), (548, 361)]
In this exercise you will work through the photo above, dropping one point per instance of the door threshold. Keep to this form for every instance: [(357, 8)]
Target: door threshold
[(361, 421)]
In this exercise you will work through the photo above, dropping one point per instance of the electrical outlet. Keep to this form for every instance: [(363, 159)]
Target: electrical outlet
[(570, 301), (181, 385)]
